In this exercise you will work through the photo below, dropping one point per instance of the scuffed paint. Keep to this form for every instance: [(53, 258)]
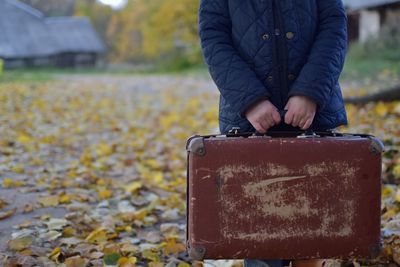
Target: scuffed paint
[(264, 183), (289, 198)]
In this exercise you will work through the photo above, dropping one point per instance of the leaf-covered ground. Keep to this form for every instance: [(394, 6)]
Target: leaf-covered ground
[(93, 171)]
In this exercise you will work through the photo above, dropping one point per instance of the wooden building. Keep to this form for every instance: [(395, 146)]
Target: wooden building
[(368, 17), (29, 39)]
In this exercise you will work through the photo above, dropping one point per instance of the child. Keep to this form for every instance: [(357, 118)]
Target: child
[(272, 55)]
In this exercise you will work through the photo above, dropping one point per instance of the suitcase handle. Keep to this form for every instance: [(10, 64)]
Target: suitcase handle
[(309, 131), (305, 133)]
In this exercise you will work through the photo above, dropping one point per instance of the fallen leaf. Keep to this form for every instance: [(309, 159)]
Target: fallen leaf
[(97, 236), (111, 259), (55, 254), (3, 203), (171, 247), (105, 194), (7, 214), (76, 261), (48, 201), (21, 241), (56, 224)]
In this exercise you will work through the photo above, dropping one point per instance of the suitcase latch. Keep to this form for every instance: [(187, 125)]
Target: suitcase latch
[(308, 135), (234, 130)]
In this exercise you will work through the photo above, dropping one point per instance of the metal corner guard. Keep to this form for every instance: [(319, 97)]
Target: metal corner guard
[(196, 145)]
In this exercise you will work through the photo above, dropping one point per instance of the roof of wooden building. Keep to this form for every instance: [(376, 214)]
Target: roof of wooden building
[(25, 33), (361, 4)]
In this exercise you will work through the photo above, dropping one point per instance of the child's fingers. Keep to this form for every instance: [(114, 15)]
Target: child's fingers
[(307, 124), (296, 120), (266, 123), (276, 117), (302, 123), (289, 117), (259, 128)]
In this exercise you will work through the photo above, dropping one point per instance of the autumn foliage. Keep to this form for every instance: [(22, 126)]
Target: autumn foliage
[(160, 30)]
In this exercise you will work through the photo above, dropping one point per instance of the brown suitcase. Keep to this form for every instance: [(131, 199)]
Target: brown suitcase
[(285, 195)]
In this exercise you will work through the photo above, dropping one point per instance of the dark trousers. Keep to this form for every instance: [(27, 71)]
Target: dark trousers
[(266, 263)]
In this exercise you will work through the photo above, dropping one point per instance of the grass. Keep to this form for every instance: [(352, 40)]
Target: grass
[(24, 76), (364, 63), (48, 74)]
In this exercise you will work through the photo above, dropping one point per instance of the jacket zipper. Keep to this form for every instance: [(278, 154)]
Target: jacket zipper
[(281, 58)]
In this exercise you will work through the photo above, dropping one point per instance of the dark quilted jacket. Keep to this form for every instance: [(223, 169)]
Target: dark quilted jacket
[(274, 49)]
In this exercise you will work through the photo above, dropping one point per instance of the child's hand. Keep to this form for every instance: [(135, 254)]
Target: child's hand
[(300, 112), (263, 116)]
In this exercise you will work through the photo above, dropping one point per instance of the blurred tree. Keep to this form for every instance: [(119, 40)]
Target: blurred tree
[(171, 30), (163, 30), (125, 31), (99, 14)]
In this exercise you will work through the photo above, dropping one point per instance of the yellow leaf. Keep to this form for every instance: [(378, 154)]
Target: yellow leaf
[(97, 236), (152, 163), (105, 194), (68, 232), (104, 149), (156, 264), (132, 187), (389, 214), (183, 264), (111, 249), (28, 208), (7, 214), (65, 199), (18, 168), (23, 138), (172, 247), (141, 214), (381, 109), (127, 262), (396, 171), (8, 182), (397, 108), (387, 191), (151, 255), (158, 177), (122, 260), (19, 183), (128, 249), (76, 261), (388, 250), (20, 243), (49, 201), (55, 254), (101, 182)]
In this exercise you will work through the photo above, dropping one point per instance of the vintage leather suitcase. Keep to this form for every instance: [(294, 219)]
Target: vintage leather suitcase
[(284, 195)]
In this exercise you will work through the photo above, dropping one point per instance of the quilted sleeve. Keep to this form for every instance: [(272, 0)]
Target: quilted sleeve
[(234, 78), (319, 75)]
